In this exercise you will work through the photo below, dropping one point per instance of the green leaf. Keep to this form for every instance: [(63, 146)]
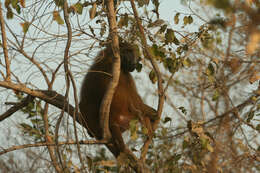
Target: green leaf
[(26, 127), (57, 18), (133, 129), (89, 162), (59, 3), (164, 131), (30, 106), (169, 36), (156, 3), (250, 116), (204, 142), (153, 76), (207, 40), (18, 9), (79, 8), (222, 4), (31, 114), (187, 62), (183, 110), (141, 3), (258, 128), (103, 29), (156, 23), (35, 121), (176, 41), (171, 64), (215, 95), (210, 70), (177, 157), (158, 52), (9, 14), (123, 21), (14, 3), (163, 28), (210, 148), (139, 67), (166, 119), (145, 130), (25, 26), (190, 19), (179, 50), (38, 108), (185, 144), (187, 20), (176, 18)]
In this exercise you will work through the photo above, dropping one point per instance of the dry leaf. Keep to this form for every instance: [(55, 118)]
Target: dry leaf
[(57, 18), (254, 77), (249, 2), (25, 26), (253, 43), (257, 92), (234, 65), (93, 10), (22, 2)]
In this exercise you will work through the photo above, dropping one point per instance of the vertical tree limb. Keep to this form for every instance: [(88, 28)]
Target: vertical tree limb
[(49, 140), (69, 76), (107, 99), (157, 71), (4, 40)]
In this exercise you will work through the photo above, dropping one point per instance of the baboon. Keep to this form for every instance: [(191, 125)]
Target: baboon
[(126, 104)]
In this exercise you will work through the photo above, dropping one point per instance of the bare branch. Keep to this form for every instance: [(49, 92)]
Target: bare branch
[(157, 71), (234, 110), (49, 140), (4, 40), (87, 142), (70, 77)]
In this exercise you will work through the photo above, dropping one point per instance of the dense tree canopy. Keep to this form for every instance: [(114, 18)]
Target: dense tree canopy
[(200, 68)]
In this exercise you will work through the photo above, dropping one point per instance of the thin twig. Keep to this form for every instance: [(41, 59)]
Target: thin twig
[(19, 147), (49, 140), (220, 117), (68, 75)]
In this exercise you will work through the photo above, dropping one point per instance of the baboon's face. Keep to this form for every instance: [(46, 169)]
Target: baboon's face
[(129, 57)]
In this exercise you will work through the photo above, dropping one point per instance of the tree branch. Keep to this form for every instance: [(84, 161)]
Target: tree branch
[(16, 107), (220, 117), (7, 62), (107, 99), (51, 97), (70, 77), (158, 74), (87, 142)]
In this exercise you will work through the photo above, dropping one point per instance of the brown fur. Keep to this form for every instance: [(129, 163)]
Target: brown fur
[(126, 104)]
